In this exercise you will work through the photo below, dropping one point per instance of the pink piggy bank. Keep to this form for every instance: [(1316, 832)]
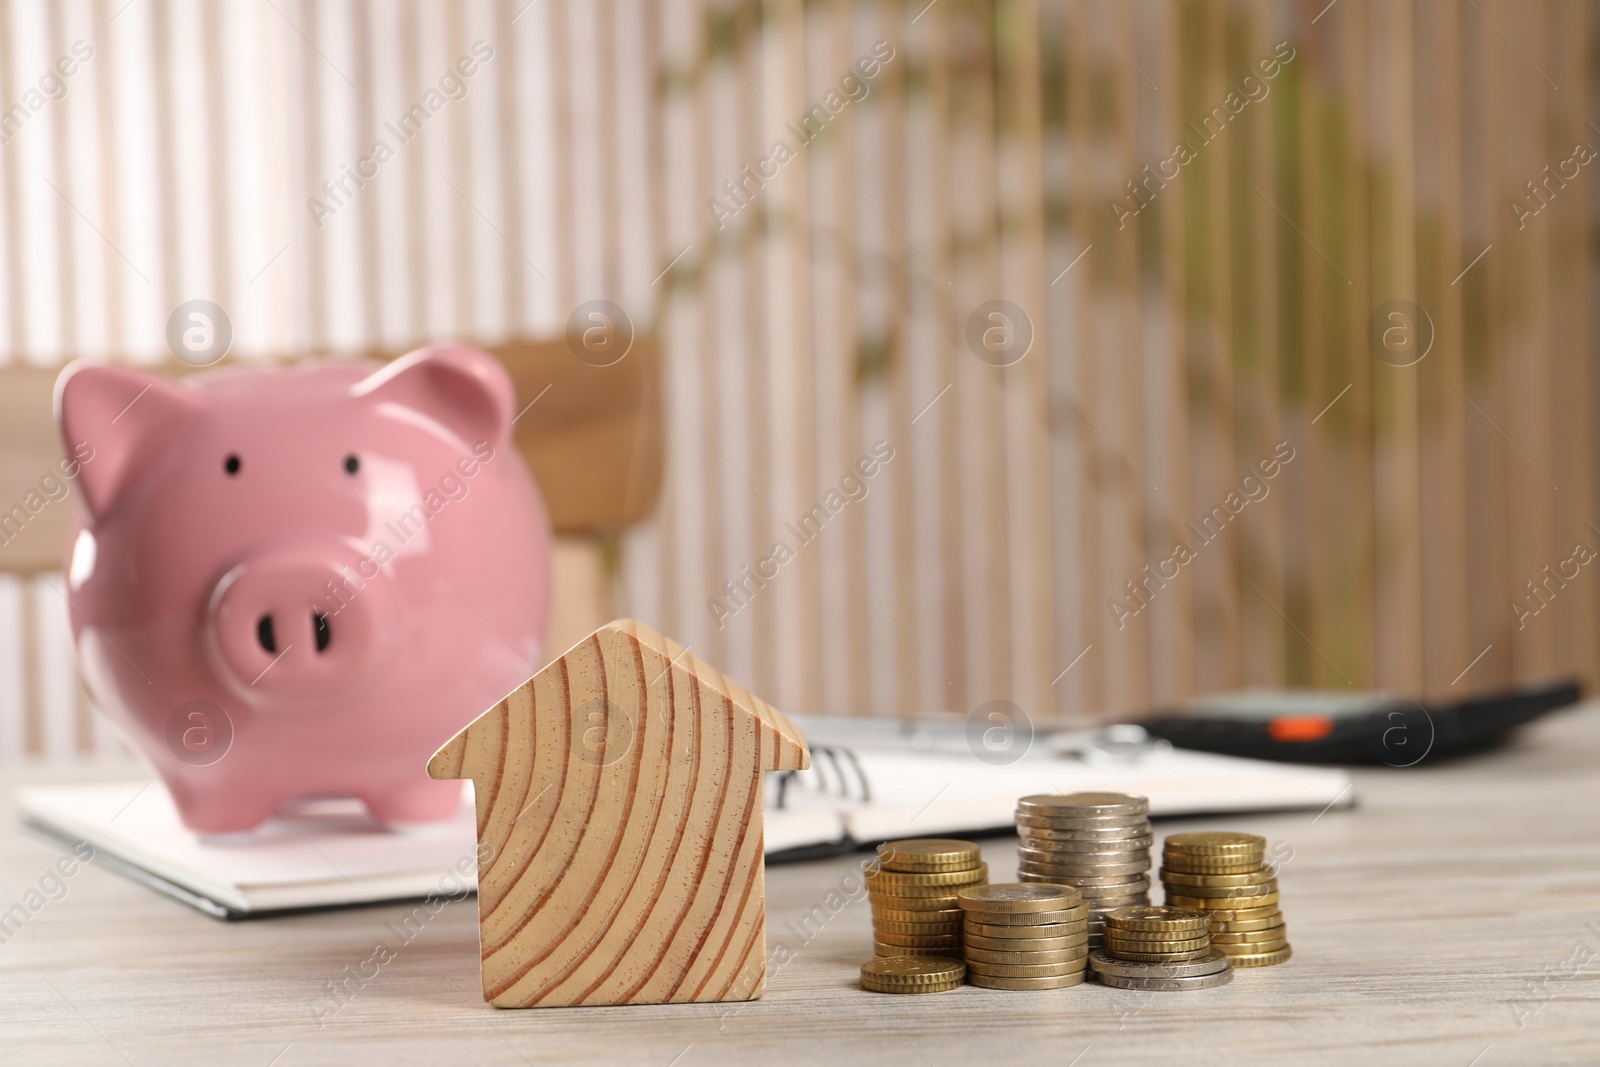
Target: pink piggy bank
[(293, 583)]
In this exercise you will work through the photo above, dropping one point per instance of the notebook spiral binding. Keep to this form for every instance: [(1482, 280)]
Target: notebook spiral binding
[(834, 771)]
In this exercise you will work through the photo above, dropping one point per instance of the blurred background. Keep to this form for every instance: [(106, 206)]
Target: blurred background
[(1084, 270)]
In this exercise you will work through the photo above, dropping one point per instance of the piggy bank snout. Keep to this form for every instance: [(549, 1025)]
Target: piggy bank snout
[(293, 625)]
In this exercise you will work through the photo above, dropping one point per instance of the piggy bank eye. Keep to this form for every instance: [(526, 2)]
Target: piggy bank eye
[(351, 463), (231, 465)]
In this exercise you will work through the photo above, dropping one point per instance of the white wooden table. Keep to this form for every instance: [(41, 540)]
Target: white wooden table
[(1452, 918)]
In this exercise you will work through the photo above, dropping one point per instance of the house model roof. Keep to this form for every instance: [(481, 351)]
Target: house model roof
[(619, 803)]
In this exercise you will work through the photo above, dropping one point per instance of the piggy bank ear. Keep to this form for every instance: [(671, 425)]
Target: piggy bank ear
[(110, 416), (464, 390)]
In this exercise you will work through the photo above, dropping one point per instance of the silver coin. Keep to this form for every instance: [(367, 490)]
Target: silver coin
[(1105, 963), (1024, 875), (1085, 870), (1139, 828), (1090, 888), (1078, 846), (1089, 885), (1070, 822), (1081, 804), (1095, 861), (1203, 981), (1093, 895), (1105, 904)]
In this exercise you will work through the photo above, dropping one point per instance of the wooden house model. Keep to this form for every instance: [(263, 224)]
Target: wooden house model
[(619, 800)]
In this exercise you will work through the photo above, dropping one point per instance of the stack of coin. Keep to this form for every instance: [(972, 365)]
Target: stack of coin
[(913, 889), (1159, 948), (1024, 935), (912, 974), (1226, 875), (1098, 842)]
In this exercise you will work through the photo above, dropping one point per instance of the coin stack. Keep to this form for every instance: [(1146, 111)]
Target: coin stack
[(1159, 949), (1024, 936), (1097, 842), (1226, 875), (913, 889), (912, 974)]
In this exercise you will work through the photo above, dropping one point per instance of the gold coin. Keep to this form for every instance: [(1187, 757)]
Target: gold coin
[(918, 940), (1028, 970), (1017, 897), (1179, 861), (1117, 944), (1026, 918), (923, 904), (1215, 843), (917, 915), (1157, 919), (995, 981), (1237, 914), (1226, 914), (1152, 937), (911, 974), (1222, 903), (949, 951), (1161, 957), (1056, 962), (1135, 938), (898, 926), (1239, 926), (1146, 941), (891, 881), (1259, 889), (940, 987), (1025, 944), (925, 854), (1042, 932), (1258, 876), (1255, 947), (1265, 959), (1054, 956), (1249, 937)]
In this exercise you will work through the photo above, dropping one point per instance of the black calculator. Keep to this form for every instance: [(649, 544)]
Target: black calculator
[(1334, 726)]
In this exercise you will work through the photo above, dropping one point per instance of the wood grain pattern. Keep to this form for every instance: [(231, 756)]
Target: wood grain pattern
[(619, 827)]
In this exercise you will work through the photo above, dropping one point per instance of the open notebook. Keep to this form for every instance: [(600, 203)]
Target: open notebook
[(868, 783), (871, 780)]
